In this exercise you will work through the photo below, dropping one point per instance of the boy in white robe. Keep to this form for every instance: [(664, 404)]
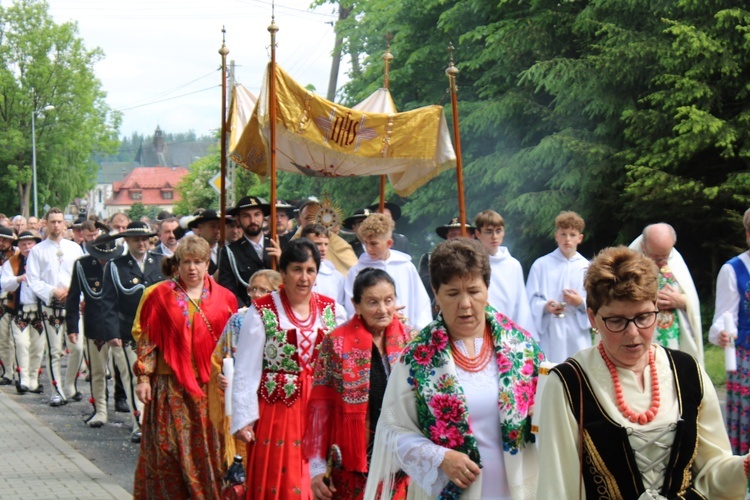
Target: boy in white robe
[(507, 291), (556, 295), (330, 282), (375, 233)]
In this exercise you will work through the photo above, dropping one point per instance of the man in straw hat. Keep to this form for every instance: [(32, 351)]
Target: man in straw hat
[(28, 342), (49, 268), (84, 300), (125, 279)]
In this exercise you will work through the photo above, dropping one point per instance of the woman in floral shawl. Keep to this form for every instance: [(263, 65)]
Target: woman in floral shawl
[(455, 416), (351, 372)]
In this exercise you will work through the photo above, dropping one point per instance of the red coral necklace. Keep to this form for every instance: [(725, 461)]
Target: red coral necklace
[(476, 363), (302, 324), (648, 415)]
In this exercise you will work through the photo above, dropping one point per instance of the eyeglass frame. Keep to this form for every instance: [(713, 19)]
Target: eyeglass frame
[(253, 289), (655, 314)]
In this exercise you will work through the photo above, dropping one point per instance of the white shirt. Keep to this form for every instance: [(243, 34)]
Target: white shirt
[(559, 337), (410, 291), (248, 360), (507, 292), (9, 284), (258, 247), (330, 282), (727, 298), (50, 266)]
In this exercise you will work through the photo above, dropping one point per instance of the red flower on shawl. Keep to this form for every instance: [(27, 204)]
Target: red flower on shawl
[(446, 407), (528, 368), (524, 396), (423, 354), (445, 435), (503, 363), (440, 339)]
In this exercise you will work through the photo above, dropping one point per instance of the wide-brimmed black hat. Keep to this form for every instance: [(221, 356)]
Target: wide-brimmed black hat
[(250, 202), (282, 206), (442, 231), (164, 215), (358, 216), (102, 227), (394, 209), (27, 235), (204, 216), (78, 221), (104, 247), (7, 233), (135, 228)]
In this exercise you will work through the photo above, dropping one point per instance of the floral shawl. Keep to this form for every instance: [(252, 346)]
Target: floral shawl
[(441, 408), (338, 406)]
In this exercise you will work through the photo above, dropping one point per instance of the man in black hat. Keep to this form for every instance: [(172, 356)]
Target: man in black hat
[(49, 268), (207, 225), (77, 228), (84, 300), (7, 250), (20, 310), (241, 259), (352, 223), (284, 214), (125, 279), (447, 232)]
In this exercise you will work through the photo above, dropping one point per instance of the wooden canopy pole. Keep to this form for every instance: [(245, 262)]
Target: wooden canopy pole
[(223, 51), (272, 29), (387, 58), (452, 72)]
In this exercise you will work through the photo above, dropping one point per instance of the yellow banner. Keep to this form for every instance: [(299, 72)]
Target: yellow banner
[(320, 138)]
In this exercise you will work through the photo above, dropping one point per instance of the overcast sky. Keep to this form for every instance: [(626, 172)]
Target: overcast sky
[(161, 50)]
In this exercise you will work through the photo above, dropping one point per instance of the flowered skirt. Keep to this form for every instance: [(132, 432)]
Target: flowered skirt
[(276, 467), (738, 403), (181, 452)]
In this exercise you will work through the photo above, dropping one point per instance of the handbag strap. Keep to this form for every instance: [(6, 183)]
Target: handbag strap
[(197, 308)]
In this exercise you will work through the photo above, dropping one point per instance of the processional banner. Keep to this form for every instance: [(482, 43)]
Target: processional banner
[(320, 138)]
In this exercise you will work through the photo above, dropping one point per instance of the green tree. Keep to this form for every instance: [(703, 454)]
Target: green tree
[(194, 189), (45, 64), (138, 210)]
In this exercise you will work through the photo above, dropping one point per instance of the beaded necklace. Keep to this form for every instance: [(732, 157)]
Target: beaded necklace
[(302, 324), (648, 415), (478, 362)]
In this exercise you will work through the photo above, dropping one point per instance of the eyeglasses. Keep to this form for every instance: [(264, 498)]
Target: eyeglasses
[(617, 324), (257, 289)]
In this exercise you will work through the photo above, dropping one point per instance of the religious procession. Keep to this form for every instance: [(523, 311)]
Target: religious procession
[(282, 349)]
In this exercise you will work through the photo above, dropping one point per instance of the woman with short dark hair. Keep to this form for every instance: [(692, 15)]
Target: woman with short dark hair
[(276, 352), (456, 414)]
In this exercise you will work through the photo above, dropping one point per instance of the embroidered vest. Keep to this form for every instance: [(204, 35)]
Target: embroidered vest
[(743, 313), (13, 299), (609, 466), (282, 366)]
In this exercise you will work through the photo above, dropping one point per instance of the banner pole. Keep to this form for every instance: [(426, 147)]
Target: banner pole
[(272, 29), (223, 51), (452, 72), (387, 58)]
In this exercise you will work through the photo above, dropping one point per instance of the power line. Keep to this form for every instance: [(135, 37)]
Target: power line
[(169, 98), (174, 89)]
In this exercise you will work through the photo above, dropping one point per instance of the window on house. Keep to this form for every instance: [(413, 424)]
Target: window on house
[(135, 195), (167, 195)]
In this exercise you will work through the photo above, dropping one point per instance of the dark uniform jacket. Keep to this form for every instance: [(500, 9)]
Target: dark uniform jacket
[(123, 287), (87, 279), (239, 261)]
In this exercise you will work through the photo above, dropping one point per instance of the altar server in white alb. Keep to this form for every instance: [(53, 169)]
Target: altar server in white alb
[(679, 323), (556, 295), (49, 269), (375, 234), (507, 292), (330, 282)]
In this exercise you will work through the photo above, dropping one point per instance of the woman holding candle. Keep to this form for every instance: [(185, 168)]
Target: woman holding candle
[(732, 319), (628, 418)]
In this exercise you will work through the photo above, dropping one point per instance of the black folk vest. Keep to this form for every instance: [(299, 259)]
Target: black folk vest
[(609, 466)]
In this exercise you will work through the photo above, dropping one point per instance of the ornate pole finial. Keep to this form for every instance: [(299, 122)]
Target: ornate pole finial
[(223, 50), (452, 71), (387, 58)]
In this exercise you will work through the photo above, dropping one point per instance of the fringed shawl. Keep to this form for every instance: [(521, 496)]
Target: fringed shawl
[(338, 407), (424, 396), (187, 345)]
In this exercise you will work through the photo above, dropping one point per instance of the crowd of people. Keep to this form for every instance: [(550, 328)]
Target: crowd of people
[(337, 368)]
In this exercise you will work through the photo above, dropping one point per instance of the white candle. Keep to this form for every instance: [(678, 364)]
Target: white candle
[(730, 355), (228, 369)]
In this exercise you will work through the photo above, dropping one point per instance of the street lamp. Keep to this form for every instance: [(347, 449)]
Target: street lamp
[(33, 153)]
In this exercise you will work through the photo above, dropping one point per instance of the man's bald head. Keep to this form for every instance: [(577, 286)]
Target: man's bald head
[(658, 241)]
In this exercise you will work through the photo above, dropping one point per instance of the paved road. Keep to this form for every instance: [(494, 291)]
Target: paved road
[(107, 448)]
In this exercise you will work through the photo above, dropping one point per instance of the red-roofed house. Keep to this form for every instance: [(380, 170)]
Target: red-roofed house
[(152, 186)]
